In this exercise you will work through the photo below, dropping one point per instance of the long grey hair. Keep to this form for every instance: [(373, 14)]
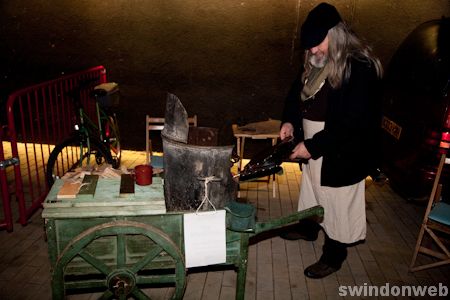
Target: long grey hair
[(343, 44)]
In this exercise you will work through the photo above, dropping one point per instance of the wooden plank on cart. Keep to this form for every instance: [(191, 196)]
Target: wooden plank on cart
[(126, 185), (69, 190), (88, 186), (107, 201)]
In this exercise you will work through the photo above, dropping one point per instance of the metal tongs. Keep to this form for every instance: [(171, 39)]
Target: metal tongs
[(268, 161)]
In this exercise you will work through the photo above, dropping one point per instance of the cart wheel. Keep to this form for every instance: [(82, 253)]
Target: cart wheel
[(121, 280)]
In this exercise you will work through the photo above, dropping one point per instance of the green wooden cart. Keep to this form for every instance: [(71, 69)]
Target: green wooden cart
[(122, 244)]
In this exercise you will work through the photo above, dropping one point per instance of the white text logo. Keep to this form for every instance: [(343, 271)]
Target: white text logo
[(387, 290)]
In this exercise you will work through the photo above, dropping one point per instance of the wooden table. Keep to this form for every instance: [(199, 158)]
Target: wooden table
[(257, 131)]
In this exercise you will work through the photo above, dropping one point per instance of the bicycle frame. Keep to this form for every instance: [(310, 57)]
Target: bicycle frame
[(87, 128), (96, 134)]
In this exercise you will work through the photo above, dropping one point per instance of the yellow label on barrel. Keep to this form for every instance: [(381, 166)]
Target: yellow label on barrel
[(391, 127)]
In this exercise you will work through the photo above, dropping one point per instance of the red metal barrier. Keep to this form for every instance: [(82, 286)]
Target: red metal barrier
[(39, 117), (7, 222)]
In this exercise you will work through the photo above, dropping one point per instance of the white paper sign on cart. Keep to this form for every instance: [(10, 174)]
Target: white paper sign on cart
[(204, 238)]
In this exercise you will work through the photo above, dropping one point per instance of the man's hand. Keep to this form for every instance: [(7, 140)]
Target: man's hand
[(287, 130), (300, 151)]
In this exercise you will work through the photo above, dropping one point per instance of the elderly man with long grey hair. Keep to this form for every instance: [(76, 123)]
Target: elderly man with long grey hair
[(334, 110)]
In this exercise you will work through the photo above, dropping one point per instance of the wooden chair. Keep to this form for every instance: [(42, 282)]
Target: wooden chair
[(157, 124), (436, 223)]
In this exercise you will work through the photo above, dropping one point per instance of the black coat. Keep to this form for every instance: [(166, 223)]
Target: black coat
[(350, 140)]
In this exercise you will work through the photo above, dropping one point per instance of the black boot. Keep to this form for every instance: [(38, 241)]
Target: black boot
[(305, 229), (334, 254)]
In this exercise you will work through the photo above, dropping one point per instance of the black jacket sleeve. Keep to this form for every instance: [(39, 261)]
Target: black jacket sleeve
[(292, 109)]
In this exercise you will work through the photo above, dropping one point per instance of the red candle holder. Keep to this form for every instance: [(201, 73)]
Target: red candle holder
[(143, 174)]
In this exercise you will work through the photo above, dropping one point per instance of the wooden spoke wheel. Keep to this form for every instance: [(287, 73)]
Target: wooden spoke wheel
[(122, 279)]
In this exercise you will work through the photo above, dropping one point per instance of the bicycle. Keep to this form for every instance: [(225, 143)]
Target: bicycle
[(92, 144)]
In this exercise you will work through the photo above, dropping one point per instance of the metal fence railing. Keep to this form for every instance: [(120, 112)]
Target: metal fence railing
[(38, 117)]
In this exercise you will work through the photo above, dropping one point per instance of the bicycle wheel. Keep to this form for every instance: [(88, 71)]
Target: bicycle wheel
[(113, 139), (67, 156)]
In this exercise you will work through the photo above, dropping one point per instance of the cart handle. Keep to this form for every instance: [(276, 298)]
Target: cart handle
[(315, 211)]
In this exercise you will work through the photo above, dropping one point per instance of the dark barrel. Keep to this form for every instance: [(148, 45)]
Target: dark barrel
[(193, 172), (416, 115), (195, 176)]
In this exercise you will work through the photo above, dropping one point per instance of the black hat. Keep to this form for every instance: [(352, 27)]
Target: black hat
[(315, 28)]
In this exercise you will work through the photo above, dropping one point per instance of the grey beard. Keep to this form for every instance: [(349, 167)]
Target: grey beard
[(318, 62)]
